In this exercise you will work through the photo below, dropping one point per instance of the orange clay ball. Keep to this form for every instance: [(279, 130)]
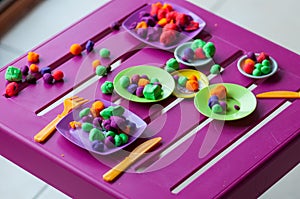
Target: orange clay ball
[(249, 61), (96, 63), (143, 82), (33, 57), (142, 24), (162, 22), (75, 49), (192, 85), (58, 75), (34, 68), (220, 91), (193, 77), (98, 106)]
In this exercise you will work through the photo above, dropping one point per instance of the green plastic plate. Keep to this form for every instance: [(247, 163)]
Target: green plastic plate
[(236, 95)]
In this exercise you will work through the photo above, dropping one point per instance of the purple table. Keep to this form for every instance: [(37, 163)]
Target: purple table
[(198, 158)]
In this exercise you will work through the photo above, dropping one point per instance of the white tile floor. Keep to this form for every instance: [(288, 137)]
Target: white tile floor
[(272, 19)]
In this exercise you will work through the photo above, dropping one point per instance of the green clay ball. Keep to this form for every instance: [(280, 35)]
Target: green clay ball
[(153, 80), (217, 108), (198, 43), (96, 134), (107, 87), (104, 53), (124, 138), (101, 70), (265, 70), (172, 64), (110, 133), (107, 112), (84, 112), (13, 74), (256, 72), (118, 140), (124, 81), (87, 127), (266, 62), (209, 49), (258, 66), (215, 69), (118, 110), (182, 81)]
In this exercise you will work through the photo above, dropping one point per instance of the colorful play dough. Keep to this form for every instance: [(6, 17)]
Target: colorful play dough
[(48, 79), (75, 49), (107, 87), (172, 65), (89, 46), (104, 53), (209, 49), (101, 70), (33, 57), (96, 134), (124, 81), (34, 68), (12, 89), (152, 92), (215, 69), (219, 91), (13, 74), (58, 75)]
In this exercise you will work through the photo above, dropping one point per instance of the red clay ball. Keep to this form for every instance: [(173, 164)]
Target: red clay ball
[(12, 89), (248, 68), (58, 75)]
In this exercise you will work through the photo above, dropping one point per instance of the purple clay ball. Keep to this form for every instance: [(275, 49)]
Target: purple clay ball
[(149, 20), (223, 104), (45, 70), (251, 55), (117, 122), (145, 77), (135, 79), (142, 32), (88, 119), (115, 26), (143, 14), (109, 141), (188, 54), (132, 26), (132, 88), (97, 145), (89, 46), (213, 100), (97, 121), (236, 107), (106, 124), (176, 77), (48, 79), (24, 69), (139, 91)]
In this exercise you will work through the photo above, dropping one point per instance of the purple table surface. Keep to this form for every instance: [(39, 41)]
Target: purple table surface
[(198, 157)]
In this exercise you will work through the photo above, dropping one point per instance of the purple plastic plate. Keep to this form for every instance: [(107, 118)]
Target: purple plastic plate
[(81, 138), (184, 36)]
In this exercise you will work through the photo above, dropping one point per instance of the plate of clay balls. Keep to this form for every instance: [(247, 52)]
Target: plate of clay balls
[(225, 101), (144, 84), (257, 65), (195, 53), (163, 25), (101, 127), (188, 82)]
